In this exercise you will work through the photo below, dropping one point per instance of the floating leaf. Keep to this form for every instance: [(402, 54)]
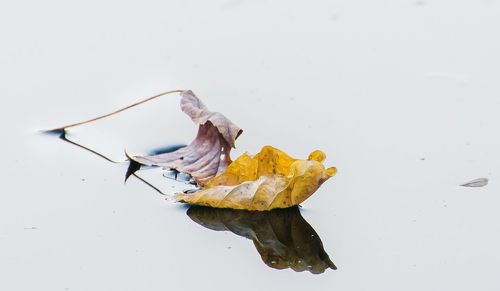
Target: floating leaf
[(209, 153), (271, 179), (480, 182), (282, 237)]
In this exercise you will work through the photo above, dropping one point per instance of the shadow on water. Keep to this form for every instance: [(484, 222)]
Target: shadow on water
[(282, 237), (133, 166), (166, 149), (62, 134)]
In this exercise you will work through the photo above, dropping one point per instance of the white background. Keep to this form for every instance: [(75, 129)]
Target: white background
[(403, 96)]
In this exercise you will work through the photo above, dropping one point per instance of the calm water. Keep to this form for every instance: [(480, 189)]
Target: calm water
[(402, 97)]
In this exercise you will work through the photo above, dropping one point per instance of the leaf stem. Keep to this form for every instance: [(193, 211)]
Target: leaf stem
[(115, 112)]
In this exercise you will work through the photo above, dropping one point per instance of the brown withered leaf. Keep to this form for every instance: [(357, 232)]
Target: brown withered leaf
[(271, 179), (282, 237), (209, 153)]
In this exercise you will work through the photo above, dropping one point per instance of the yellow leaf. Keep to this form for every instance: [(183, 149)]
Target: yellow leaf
[(270, 179)]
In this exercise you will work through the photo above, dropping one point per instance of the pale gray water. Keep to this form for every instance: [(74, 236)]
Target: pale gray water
[(402, 96)]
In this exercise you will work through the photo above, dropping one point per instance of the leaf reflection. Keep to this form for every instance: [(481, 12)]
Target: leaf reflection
[(282, 237)]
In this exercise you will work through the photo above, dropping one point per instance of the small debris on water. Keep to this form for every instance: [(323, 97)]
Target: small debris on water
[(480, 182)]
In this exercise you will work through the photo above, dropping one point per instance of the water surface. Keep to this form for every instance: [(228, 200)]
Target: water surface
[(403, 97)]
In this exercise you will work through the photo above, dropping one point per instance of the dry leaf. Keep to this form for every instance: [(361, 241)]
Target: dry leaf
[(282, 237), (480, 182), (209, 153), (271, 179)]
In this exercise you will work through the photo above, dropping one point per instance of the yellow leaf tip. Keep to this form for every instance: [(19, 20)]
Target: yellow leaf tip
[(331, 171), (317, 155)]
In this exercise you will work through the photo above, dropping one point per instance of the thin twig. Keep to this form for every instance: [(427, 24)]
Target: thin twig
[(115, 112)]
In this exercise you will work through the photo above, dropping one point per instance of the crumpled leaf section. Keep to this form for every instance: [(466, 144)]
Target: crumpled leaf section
[(270, 179), (209, 153)]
